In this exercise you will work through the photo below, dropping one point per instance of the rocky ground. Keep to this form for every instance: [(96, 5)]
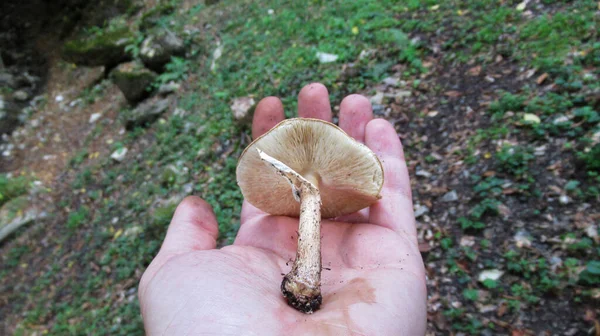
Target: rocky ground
[(119, 110)]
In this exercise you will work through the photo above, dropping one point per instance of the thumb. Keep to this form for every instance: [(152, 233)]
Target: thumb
[(193, 228)]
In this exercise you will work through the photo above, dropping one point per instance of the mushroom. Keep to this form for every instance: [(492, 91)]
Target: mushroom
[(312, 169)]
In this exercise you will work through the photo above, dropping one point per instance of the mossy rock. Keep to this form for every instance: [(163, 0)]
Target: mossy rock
[(146, 113), (16, 213), (9, 116), (157, 50), (151, 18), (107, 48), (133, 80)]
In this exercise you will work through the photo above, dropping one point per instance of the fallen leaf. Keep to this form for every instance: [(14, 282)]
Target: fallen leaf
[(541, 78), (474, 71), (452, 93), (502, 309), (531, 118), (521, 6), (118, 234)]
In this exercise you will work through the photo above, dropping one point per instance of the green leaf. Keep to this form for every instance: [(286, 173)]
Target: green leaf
[(571, 185)]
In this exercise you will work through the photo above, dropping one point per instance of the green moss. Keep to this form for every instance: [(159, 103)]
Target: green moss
[(12, 187), (104, 48), (156, 16), (15, 207)]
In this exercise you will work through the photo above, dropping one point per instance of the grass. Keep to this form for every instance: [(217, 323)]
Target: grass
[(121, 211), (11, 187)]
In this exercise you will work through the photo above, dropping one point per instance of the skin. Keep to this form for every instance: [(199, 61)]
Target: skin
[(373, 282)]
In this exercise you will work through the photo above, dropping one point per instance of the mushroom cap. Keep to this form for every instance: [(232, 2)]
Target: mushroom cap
[(348, 174)]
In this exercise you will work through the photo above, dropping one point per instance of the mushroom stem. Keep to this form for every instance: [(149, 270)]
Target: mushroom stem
[(302, 285)]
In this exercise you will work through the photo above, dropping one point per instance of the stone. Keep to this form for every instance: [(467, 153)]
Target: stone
[(391, 81), (168, 88), (450, 196), (157, 50), (242, 109), (16, 213), (522, 239), (7, 79), (133, 80), (379, 110), (491, 274), (326, 58), (366, 53), (401, 94), (564, 199), (9, 116), (99, 49), (94, 117), (423, 173), (119, 154), (377, 99), (420, 210), (216, 55), (21, 95), (146, 113)]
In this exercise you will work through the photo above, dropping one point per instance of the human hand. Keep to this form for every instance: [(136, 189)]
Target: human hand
[(374, 281)]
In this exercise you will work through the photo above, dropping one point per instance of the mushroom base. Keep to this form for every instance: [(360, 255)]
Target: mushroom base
[(300, 296)]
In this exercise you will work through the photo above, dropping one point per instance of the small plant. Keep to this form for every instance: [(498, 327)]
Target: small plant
[(76, 218), (591, 274), (514, 159), (488, 205), (471, 294), (490, 284), (491, 186), (177, 69), (467, 224), (591, 158), (508, 102), (133, 48)]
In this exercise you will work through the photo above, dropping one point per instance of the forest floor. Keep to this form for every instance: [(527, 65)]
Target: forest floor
[(497, 104)]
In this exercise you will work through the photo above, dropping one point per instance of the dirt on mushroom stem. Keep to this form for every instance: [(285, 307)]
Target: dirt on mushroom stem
[(302, 285)]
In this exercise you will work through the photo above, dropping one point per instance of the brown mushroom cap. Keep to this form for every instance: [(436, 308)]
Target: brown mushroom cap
[(348, 174)]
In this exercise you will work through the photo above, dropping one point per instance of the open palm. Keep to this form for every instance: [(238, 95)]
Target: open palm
[(373, 281)]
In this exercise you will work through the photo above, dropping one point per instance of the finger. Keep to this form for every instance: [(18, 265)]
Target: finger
[(193, 227), (355, 113), (361, 216), (394, 210), (268, 113), (313, 102), (249, 211)]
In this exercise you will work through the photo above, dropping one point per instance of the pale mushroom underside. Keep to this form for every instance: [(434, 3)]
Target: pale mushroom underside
[(348, 174)]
